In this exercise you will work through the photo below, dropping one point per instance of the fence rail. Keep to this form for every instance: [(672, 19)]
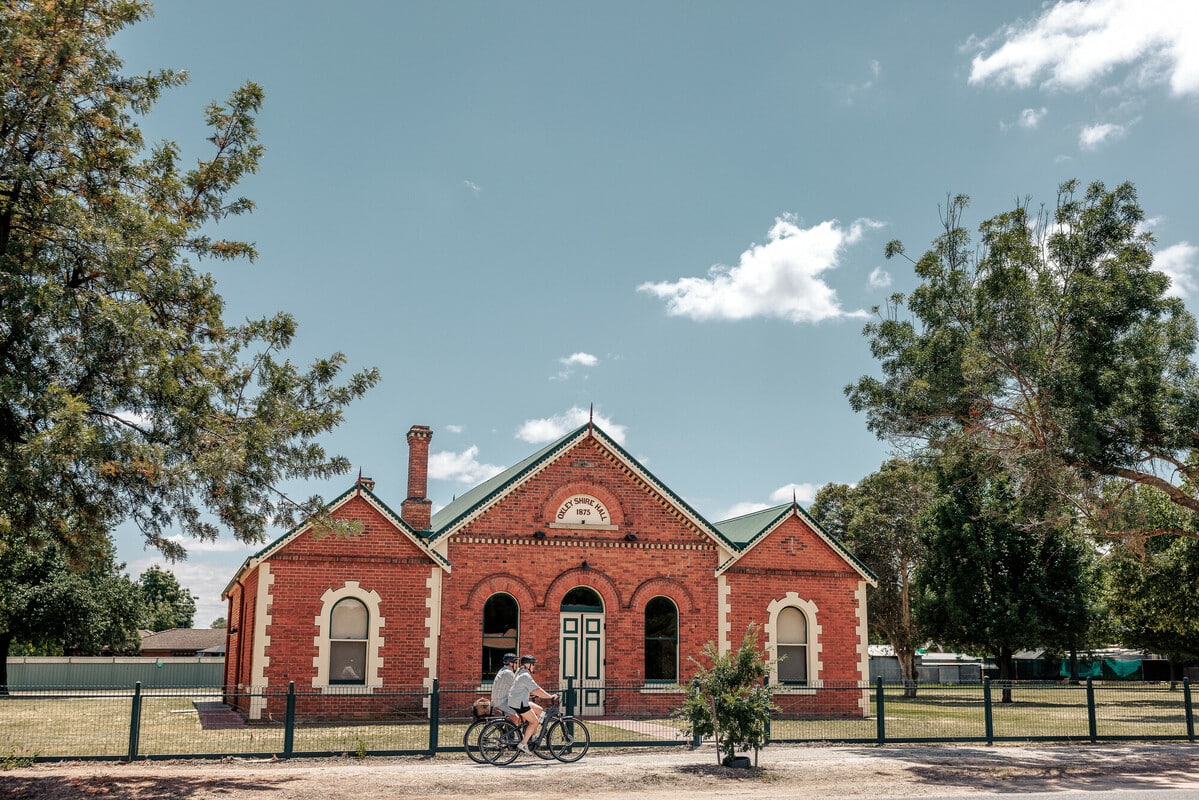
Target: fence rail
[(56, 723)]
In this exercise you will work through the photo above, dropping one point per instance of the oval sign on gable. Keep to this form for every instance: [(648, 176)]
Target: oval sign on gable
[(582, 509)]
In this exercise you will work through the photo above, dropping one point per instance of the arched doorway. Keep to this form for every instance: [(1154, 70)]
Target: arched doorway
[(581, 639)]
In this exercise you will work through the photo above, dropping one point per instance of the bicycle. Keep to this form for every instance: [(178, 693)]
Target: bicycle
[(483, 713), (470, 739), (561, 736)]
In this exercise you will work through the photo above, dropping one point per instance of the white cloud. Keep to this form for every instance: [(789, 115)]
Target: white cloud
[(205, 580), (580, 359), (741, 509), (455, 428), (1181, 262), (540, 431), (778, 279), (855, 89), (879, 278), (474, 187), (463, 467), (1093, 136), (803, 492), (1073, 45), (195, 546), (572, 361), (1029, 119)]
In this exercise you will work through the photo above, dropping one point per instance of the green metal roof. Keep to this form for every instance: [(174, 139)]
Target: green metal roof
[(744, 529), (462, 506)]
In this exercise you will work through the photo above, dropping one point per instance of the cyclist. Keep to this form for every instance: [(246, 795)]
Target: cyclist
[(520, 699), (502, 685)]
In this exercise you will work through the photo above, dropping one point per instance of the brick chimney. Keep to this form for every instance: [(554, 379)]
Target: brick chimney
[(416, 509)]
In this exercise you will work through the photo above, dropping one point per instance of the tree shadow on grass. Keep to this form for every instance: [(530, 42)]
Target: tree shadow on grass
[(136, 787)]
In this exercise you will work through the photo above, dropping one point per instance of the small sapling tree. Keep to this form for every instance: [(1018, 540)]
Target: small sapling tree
[(727, 699)]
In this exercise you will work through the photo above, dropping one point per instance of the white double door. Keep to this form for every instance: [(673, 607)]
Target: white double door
[(581, 636)]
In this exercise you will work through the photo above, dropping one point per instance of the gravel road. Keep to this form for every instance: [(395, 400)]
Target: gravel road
[(674, 774)]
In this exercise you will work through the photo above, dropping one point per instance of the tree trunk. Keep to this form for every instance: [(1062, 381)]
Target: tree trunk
[(1074, 667), (5, 642), (1173, 662), (1007, 672), (715, 729), (907, 670)]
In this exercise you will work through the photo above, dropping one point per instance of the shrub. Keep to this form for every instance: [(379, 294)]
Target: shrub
[(727, 699)]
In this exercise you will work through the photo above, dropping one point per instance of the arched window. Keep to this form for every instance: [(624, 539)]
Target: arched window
[(792, 645), (348, 626), (582, 598), (501, 621), (661, 640)]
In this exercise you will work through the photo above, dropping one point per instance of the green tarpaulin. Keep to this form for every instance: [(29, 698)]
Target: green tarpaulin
[(1102, 668)]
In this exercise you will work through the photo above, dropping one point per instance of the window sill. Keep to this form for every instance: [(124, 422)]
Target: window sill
[(662, 688), (795, 688), (345, 689)]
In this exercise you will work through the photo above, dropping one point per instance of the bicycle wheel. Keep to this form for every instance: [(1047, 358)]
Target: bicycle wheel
[(470, 740), (568, 739), (497, 743), (542, 750)]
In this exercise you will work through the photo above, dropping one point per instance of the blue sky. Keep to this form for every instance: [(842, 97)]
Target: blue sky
[(674, 211)]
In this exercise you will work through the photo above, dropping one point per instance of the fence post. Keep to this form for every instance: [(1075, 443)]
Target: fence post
[(988, 710), (135, 721), (570, 705), (289, 721), (766, 740), (880, 716), (1190, 709), (1092, 727), (434, 716), (695, 737)]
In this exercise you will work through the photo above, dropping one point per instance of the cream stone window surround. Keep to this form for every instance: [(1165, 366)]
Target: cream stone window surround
[(814, 665), (374, 641)]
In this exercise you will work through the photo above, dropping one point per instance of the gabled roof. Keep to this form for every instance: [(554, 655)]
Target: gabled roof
[(472, 504), (738, 535), (192, 639), (358, 490), (747, 530)]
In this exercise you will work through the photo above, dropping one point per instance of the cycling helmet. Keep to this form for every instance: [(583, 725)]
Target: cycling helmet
[(509, 658), (527, 659)]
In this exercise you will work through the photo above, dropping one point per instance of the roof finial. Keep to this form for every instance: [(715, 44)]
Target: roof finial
[(591, 419), (794, 502)]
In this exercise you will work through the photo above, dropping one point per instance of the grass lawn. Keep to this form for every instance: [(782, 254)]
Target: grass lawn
[(53, 726)]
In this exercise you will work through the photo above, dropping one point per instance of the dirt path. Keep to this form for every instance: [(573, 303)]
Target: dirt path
[(675, 774)]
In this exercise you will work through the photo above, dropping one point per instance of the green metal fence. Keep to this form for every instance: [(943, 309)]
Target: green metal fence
[(92, 672), (66, 723)]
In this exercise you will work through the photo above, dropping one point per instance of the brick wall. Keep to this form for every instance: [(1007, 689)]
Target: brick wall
[(499, 552), (795, 559), (381, 559)]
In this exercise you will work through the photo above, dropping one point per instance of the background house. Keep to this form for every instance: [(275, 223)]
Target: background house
[(207, 642)]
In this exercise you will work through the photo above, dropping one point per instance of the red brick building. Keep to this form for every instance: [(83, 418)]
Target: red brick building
[(577, 554)]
